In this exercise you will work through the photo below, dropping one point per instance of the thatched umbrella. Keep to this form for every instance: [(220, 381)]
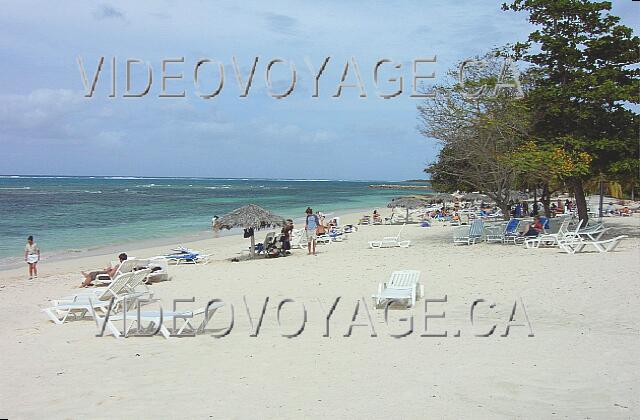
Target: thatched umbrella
[(408, 202), (249, 216), (442, 197), (474, 196), (518, 196)]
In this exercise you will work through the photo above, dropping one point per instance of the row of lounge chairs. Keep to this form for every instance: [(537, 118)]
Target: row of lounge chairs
[(126, 292), (158, 270), (556, 233), (298, 238), (85, 301)]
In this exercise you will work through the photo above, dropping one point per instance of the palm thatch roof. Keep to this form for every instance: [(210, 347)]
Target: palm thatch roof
[(249, 216), (474, 196), (441, 197), (408, 202), (518, 196)]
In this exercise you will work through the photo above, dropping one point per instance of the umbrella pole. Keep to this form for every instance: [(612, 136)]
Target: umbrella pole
[(407, 218), (253, 245)]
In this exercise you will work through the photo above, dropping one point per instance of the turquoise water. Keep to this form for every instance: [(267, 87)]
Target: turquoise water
[(79, 213)]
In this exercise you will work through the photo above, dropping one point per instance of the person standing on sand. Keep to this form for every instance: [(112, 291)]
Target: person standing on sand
[(32, 256), (311, 224)]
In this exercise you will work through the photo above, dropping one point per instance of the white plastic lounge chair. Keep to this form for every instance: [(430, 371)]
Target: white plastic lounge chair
[(329, 237), (403, 285), (81, 305), (504, 232), (159, 271), (323, 239), (133, 284), (126, 266), (594, 233), (168, 318), (298, 238), (391, 241), (552, 239), (469, 235), (576, 245)]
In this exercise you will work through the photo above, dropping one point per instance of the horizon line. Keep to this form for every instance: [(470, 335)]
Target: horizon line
[(123, 177)]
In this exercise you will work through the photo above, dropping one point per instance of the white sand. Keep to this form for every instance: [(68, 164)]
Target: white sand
[(583, 362)]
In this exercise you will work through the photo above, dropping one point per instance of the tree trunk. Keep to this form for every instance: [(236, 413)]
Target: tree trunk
[(506, 210), (581, 202), (601, 198), (546, 200)]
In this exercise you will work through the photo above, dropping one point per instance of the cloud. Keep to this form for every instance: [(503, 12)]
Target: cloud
[(111, 139), (292, 134), (105, 11), (39, 109), (213, 127), (282, 24)]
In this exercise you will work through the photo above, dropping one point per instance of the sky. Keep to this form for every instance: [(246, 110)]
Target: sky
[(49, 127)]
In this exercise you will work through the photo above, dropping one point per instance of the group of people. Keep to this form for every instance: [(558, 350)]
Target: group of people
[(315, 226)]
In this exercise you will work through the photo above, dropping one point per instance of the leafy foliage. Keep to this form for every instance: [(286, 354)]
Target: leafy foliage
[(584, 79)]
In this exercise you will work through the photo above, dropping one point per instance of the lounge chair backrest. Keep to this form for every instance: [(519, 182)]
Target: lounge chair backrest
[(512, 226), (131, 264), (578, 225), (558, 225), (138, 277), (400, 232), (545, 222), (476, 228), (116, 286), (404, 279)]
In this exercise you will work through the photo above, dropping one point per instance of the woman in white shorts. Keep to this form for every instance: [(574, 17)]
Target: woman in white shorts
[(32, 256)]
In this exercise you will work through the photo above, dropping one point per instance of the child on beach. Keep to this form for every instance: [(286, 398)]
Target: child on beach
[(311, 225), (32, 256)]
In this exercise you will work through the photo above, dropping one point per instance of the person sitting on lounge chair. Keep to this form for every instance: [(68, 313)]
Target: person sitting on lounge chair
[(376, 217), (110, 271), (533, 229), (286, 236)]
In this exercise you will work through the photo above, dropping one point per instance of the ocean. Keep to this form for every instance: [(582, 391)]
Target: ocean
[(74, 215)]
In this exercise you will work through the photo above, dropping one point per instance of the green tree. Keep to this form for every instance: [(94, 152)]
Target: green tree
[(582, 62), (476, 132)]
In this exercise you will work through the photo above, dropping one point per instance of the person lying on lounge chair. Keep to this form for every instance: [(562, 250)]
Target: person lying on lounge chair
[(110, 271)]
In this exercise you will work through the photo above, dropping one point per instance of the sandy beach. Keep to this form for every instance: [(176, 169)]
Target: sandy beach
[(581, 362)]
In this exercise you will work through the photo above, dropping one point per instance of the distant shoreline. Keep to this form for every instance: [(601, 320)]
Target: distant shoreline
[(57, 255), (398, 187)]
